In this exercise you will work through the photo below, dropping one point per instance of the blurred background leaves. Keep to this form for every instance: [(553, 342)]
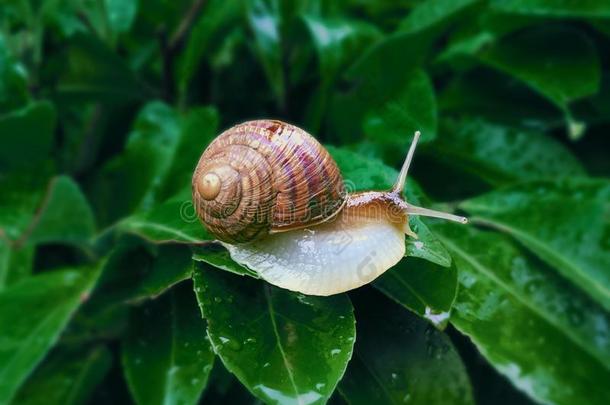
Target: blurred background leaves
[(111, 290)]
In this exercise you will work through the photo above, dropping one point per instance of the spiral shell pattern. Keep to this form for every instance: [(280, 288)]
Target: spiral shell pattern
[(265, 176)]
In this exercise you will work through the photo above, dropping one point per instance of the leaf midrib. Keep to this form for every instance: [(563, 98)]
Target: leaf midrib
[(549, 252), (279, 343), (567, 332)]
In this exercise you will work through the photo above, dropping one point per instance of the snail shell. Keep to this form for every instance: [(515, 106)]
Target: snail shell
[(264, 177)]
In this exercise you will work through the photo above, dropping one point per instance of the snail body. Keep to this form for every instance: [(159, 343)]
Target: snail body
[(275, 198)]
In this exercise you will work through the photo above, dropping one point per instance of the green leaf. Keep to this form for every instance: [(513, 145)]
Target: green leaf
[(66, 377), (485, 93), (422, 287), (136, 271), (15, 262), (431, 13), (527, 321), (210, 30), (26, 136), (500, 154), (284, 347), (167, 357), (22, 193), (172, 221), (120, 14), (398, 358), (161, 152), (198, 127), (383, 78), (556, 8), (62, 216), (264, 19), (91, 71), (13, 80), (65, 215), (560, 63), (49, 300), (564, 222), (219, 257), (412, 109), (337, 41)]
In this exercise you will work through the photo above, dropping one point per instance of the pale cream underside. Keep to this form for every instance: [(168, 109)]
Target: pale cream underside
[(325, 259)]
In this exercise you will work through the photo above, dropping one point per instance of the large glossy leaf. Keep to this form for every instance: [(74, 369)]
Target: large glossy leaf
[(429, 14), (49, 300), (90, 70), (556, 8), (561, 64), (500, 154), (167, 357), (564, 222), (26, 136), (284, 347), (424, 288), (548, 338), (219, 257), (399, 358), (67, 376)]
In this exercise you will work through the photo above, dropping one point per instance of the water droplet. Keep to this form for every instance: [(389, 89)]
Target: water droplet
[(335, 352), (438, 319), (217, 299)]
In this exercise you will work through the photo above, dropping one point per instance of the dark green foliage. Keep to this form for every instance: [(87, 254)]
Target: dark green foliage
[(111, 290)]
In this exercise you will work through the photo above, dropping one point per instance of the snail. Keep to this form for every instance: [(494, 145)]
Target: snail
[(275, 198)]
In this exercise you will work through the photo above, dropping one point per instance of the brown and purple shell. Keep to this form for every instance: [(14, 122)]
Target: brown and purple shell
[(263, 177)]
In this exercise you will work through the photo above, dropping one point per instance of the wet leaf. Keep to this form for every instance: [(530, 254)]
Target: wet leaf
[(167, 358), (284, 347), (399, 358), (219, 257), (528, 321), (424, 288), (49, 300), (561, 64), (564, 222), (501, 154), (67, 376)]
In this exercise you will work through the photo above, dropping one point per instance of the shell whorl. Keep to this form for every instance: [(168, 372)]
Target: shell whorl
[(265, 176)]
